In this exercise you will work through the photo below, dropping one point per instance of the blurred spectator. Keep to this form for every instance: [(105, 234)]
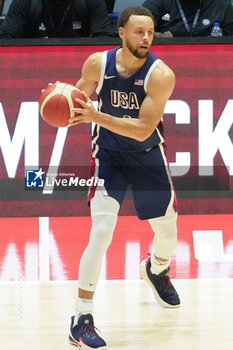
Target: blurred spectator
[(5, 6), (119, 5), (190, 17), (1, 6), (114, 9), (110, 5), (56, 18)]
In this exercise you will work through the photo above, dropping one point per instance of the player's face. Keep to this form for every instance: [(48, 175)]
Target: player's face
[(138, 34)]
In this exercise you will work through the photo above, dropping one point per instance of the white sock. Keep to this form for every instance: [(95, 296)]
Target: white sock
[(158, 266), (83, 306)]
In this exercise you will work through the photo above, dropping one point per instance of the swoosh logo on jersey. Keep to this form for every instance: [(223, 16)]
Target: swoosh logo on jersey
[(109, 76)]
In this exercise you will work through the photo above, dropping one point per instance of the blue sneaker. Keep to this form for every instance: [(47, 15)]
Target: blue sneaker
[(83, 334), (164, 292)]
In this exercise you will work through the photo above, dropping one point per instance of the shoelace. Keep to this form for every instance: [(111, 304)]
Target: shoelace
[(87, 326)]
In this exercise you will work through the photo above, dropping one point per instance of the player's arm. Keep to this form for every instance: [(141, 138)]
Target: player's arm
[(90, 73), (159, 89)]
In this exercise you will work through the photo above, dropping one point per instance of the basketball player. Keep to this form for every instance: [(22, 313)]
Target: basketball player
[(133, 87)]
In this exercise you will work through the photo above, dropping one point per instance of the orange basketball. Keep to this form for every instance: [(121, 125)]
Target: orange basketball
[(56, 102)]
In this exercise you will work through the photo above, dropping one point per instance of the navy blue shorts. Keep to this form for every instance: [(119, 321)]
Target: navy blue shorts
[(145, 172)]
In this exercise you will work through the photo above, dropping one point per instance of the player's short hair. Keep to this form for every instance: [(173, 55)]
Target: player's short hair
[(133, 10)]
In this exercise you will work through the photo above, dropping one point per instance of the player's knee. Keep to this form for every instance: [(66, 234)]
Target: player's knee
[(171, 216), (104, 212), (168, 220), (102, 231), (103, 205)]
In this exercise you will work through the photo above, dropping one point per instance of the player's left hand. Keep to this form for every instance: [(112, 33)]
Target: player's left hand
[(84, 114)]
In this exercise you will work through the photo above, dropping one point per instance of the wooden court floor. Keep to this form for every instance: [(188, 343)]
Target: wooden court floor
[(36, 316)]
